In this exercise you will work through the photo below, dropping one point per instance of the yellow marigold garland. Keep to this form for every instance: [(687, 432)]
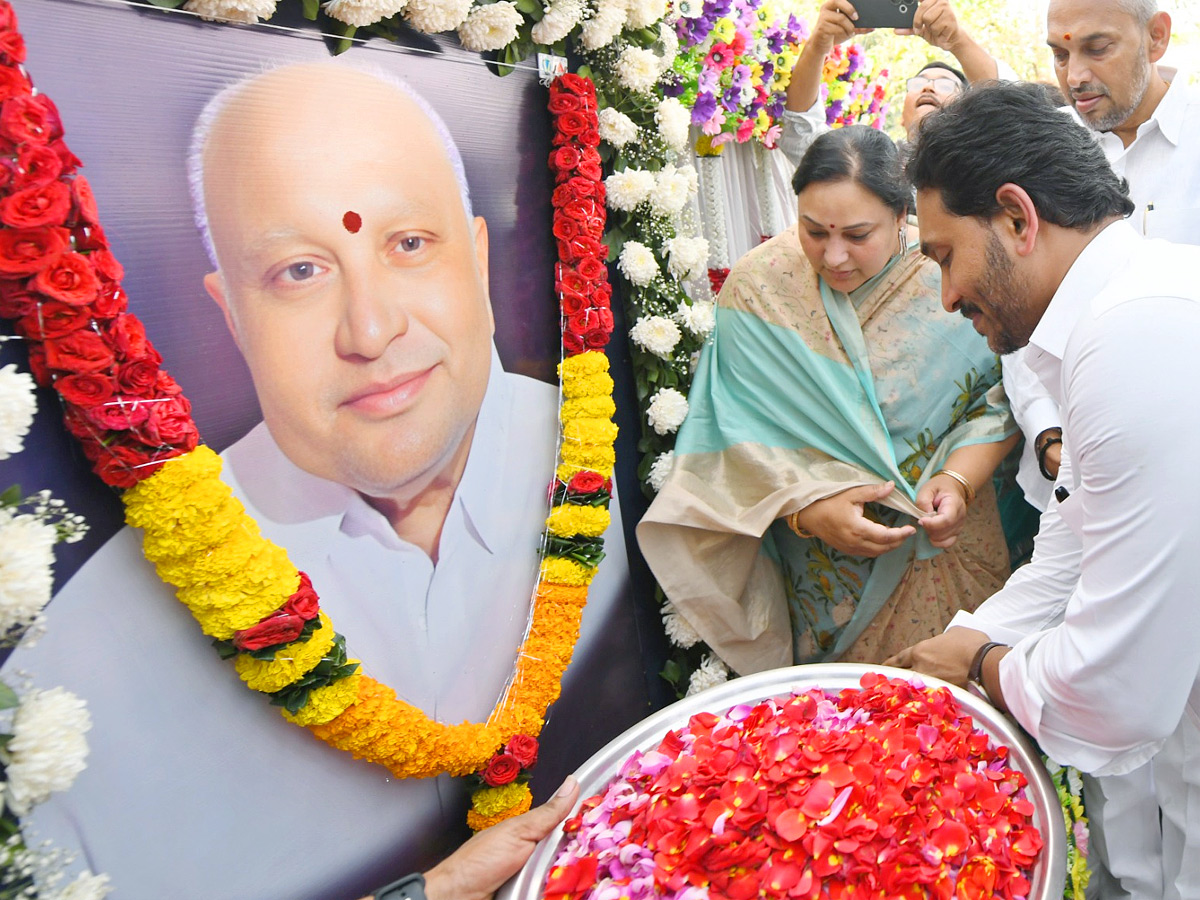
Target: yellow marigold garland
[(490, 806)]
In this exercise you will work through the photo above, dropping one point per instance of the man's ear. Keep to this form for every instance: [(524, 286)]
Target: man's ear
[(481, 260), (1160, 35), (215, 285), (1017, 219)]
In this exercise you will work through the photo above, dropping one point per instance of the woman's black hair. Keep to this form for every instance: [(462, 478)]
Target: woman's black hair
[(861, 154)]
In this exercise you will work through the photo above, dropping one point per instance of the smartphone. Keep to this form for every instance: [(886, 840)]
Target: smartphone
[(885, 13)]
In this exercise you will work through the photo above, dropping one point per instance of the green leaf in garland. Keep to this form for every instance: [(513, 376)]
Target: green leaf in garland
[(11, 497), (167, 4), (8, 697), (310, 8)]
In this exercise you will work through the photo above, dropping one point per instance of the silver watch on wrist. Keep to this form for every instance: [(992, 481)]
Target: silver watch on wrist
[(410, 887)]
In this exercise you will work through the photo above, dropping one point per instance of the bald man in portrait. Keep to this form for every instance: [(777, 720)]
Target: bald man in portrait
[(400, 466)]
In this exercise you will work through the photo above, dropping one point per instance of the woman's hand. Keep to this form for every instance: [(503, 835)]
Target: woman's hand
[(835, 25), (841, 523), (946, 501)]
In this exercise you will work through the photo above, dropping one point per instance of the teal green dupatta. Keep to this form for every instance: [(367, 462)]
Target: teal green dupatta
[(801, 393)]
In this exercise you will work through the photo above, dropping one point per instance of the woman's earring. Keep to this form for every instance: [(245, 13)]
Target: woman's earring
[(903, 244)]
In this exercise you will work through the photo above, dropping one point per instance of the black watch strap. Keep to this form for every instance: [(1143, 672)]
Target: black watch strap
[(410, 887), (975, 672)]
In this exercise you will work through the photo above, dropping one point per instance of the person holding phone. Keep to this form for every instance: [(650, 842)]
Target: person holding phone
[(930, 88)]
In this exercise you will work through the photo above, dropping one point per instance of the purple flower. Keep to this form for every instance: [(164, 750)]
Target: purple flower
[(740, 78), (707, 80), (833, 111), (775, 107), (731, 99), (672, 84), (775, 40), (706, 105)]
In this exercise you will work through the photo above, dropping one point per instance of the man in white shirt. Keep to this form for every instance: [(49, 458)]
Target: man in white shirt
[(929, 89), (1105, 669), (398, 465)]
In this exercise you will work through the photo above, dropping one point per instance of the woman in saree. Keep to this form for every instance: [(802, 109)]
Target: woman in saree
[(831, 496)]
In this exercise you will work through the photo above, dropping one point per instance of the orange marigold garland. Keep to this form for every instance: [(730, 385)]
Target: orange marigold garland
[(61, 285)]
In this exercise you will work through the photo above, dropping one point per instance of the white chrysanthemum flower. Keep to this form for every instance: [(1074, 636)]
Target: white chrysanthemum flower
[(615, 127), (637, 69), (245, 11), (561, 16), (686, 256), (688, 9), (670, 44), (624, 190), (711, 673), (700, 318), (637, 263), (671, 192), (26, 558), (679, 630), (692, 176), (436, 16), (361, 13), (656, 334), (85, 887), (602, 28), (657, 477), (667, 410), (17, 407), (673, 120), (48, 748), (644, 13), (490, 27)]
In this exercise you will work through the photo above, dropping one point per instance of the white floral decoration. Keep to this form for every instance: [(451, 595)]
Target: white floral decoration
[(644, 13), (672, 190), (657, 476), (711, 673), (615, 127), (492, 26), (561, 16), (246, 12), (637, 263), (436, 16), (26, 561), (673, 120), (638, 69), (700, 318), (679, 630), (667, 410), (361, 13), (17, 407), (626, 189), (670, 44), (85, 887), (604, 24), (656, 334), (688, 9), (686, 256), (48, 748)]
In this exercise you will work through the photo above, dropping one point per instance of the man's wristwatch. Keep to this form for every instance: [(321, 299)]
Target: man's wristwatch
[(975, 673), (410, 887)]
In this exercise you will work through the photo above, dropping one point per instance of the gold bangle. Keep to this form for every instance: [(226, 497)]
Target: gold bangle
[(967, 486), (793, 522)]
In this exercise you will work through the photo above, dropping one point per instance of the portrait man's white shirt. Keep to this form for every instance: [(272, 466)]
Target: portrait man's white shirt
[(203, 790)]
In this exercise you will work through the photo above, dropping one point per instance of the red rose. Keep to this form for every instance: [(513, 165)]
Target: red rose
[(138, 377), (166, 386), (170, 423), (69, 278), (89, 237), (602, 295), (13, 83), (580, 210), (52, 320), (85, 201), (277, 628), (564, 103), (110, 301), (84, 390), (565, 228), (572, 343), (16, 300), (8, 18), (124, 465), (564, 159), (524, 749), (120, 414), (598, 339), (585, 482), (589, 137), (589, 170), (128, 338), (304, 602), (590, 155), (24, 251), (502, 768), (563, 194), (37, 164), (29, 119), (571, 123), (583, 187), (591, 269), (37, 364), (79, 351), (12, 46), (576, 84), (570, 301), (43, 204), (70, 162)]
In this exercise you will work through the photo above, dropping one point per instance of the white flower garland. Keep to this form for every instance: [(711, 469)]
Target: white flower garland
[(435, 16), (616, 129), (17, 407), (637, 263), (656, 334), (667, 410), (490, 27), (47, 748), (247, 12)]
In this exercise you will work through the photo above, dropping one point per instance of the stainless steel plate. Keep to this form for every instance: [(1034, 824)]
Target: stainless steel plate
[(1049, 874)]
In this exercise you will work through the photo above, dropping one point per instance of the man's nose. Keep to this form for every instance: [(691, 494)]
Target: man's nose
[(373, 312), (1078, 72), (951, 299)]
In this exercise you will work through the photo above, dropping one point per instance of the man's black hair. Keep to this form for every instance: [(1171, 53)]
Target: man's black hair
[(860, 154), (1005, 132), (953, 71)]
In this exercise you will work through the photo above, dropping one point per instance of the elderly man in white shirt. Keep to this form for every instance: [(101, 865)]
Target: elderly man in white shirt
[(1034, 250), (399, 466)]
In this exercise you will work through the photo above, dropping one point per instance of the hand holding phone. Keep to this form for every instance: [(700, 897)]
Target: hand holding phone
[(885, 13)]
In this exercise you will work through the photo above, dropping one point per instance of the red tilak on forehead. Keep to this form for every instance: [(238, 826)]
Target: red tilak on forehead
[(352, 221), (1067, 36)]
